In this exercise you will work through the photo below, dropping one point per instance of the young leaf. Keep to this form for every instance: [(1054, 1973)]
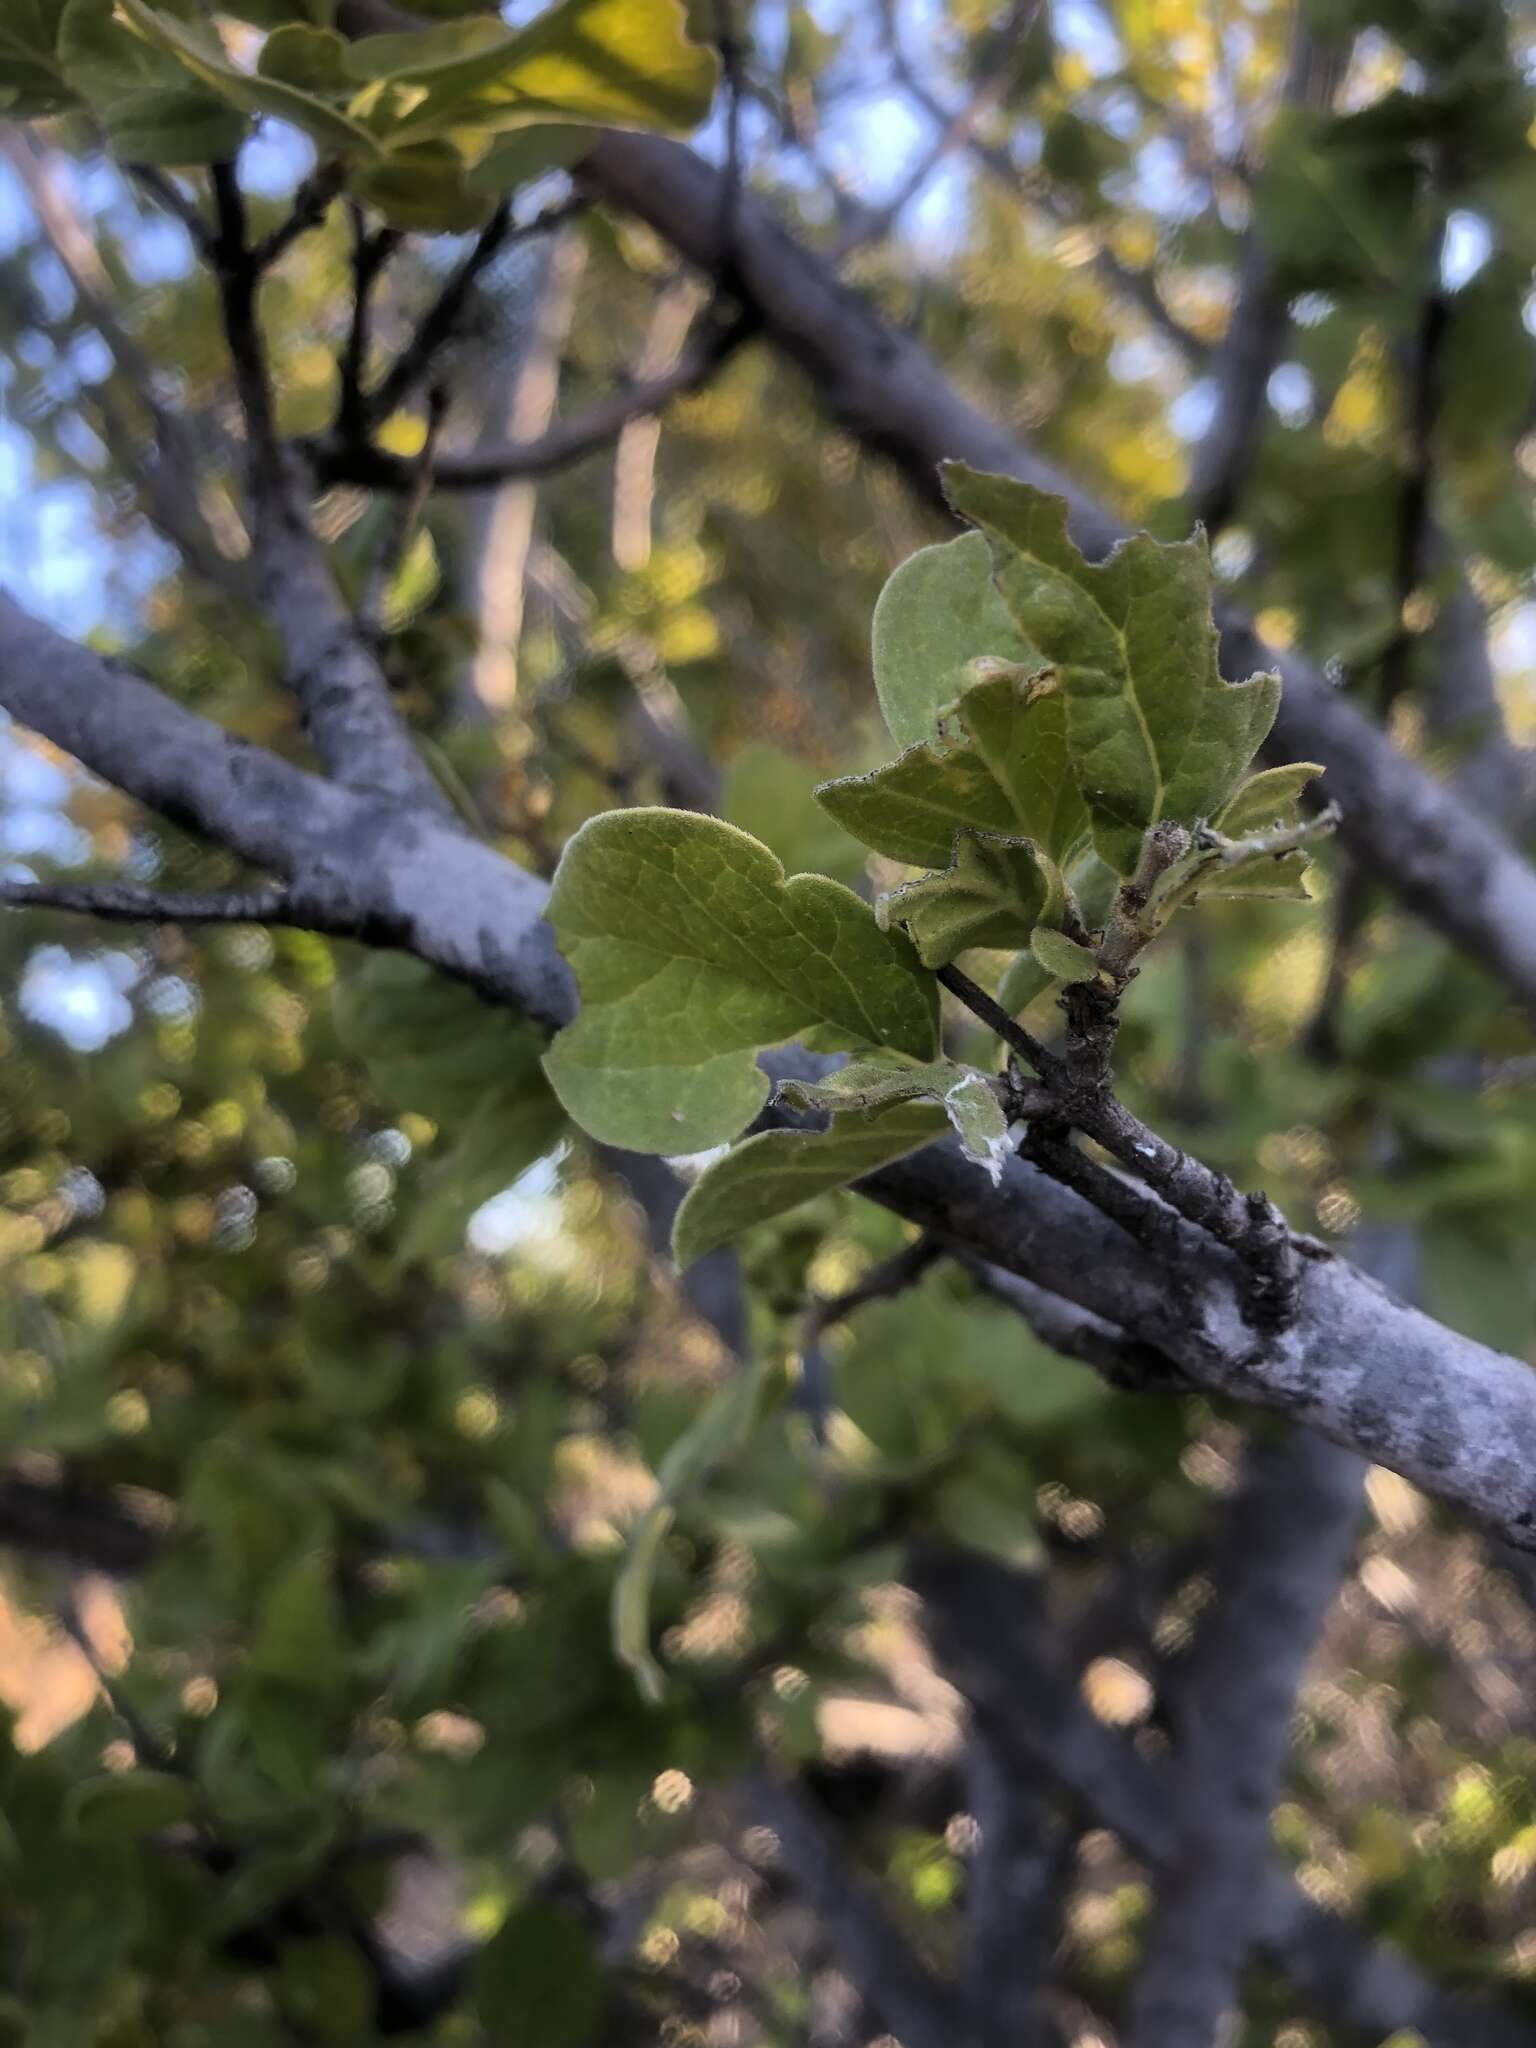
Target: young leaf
[(998, 764), (967, 1096), (776, 1171), (936, 614), (1152, 730), (1266, 799), (993, 893), (1063, 959), (694, 954)]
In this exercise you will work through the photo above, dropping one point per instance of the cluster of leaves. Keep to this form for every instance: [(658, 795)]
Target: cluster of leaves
[(1055, 717), (433, 125)]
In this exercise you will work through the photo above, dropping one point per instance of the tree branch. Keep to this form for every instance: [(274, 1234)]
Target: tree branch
[(170, 475), (1284, 1547), (876, 1954), (988, 1630), (332, 670), (357, 861), (122, 903), (1358, 1365), (567, 442)]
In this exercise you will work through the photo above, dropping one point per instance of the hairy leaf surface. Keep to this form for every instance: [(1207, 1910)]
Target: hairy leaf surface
[(1152, 730), (937, 613), (774, 1172), (998, 763), (993, 893)]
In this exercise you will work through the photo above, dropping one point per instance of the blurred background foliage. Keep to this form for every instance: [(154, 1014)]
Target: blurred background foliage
[(337, 1373)]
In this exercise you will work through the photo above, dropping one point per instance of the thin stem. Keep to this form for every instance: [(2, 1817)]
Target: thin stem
[(122, 903), (991, 1013), (406, 516), (312, 202)]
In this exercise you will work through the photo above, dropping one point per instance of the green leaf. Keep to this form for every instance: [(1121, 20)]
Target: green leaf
[(936, 615), (998, 763), (434, 1046), (298, 1636), (716, 1432), (693, 954), (540, 1982), (1023, 980), (415, 53), (122, 1806), (325, 1985), (314, 60), (151, 110), (1152, 730), (967, 1096), (199, 50), (1093, 886), (618, 62), (1061, 958), (1266, 799), (32, 82), (774, 1172), (993, 893), (987, 1504), (529, 153), (424, 189)]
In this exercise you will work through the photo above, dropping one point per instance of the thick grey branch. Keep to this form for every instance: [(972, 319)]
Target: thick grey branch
[(1284, 1547), (1019, 1882), (1357, 1364), (990, 1634), (355, 860)]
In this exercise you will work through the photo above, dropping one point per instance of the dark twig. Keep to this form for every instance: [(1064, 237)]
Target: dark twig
[(1256, 331), (370, 257), (123, 903), (956, 130), (170, 469), (442, 319), (167, 193), (988, 1011), (882, 1282), (405, 516), (1423, 378), (567, 442), (311, 203), (732, 67), (151, 1750)]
